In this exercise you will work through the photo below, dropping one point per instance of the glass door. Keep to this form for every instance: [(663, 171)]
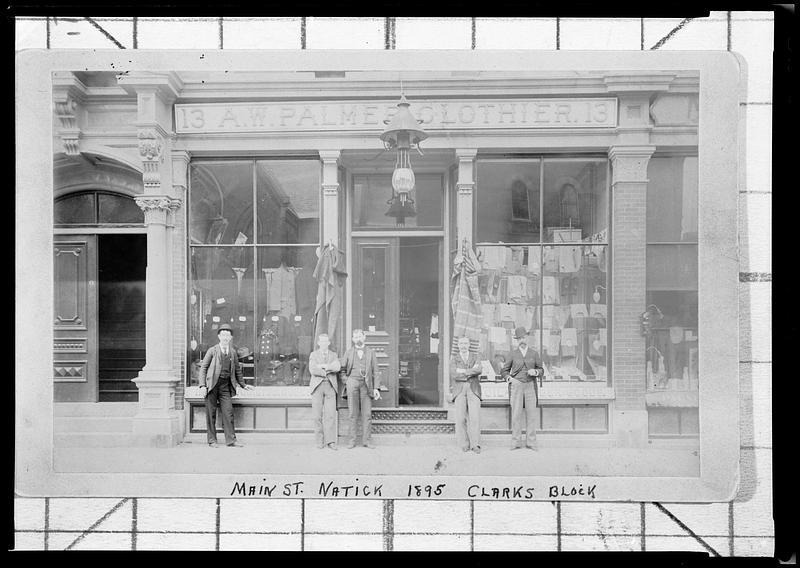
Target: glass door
[(397, 299)]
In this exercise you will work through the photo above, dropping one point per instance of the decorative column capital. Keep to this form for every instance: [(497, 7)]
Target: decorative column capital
[(328, 156), (629, 163), (466, 154), (157, 208)]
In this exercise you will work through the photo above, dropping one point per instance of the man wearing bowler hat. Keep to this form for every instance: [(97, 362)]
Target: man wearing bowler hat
[(522, 371), (219, 373)]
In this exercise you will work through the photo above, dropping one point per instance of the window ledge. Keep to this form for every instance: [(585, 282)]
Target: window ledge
[(553, 390), (673, 399), (282, 394)]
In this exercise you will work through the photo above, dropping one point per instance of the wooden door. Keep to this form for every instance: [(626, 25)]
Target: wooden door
[(375, 301), (75, 318)]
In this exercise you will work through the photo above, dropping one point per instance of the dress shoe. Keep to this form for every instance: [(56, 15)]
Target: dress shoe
[(320, 445), (236, 445), (351, 445), (534, 447), (332, 446), (213, 445), (369, 445), (476, 449), (515, 447)]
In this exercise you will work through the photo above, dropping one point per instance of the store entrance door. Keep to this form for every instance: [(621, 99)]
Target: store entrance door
[(397, 299), (99, 316), (75, 318)]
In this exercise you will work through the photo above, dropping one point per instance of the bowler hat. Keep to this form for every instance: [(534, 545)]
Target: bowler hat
[(225, 327), (520, 332)]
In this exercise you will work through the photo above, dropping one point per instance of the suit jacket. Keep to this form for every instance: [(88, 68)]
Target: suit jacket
[(460, 381), (212, 365), (373, 377), (517, 366), (318, 376)]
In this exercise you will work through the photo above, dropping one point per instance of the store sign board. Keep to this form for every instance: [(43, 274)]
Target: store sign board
[(436, 115)]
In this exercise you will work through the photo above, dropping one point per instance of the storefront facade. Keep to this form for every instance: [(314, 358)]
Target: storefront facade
[(577, 191)]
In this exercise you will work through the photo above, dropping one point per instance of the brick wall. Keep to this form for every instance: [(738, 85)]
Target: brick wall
[(179, 302), (628, 300)]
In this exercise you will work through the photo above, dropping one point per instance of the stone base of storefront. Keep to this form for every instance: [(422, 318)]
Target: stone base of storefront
[(630, 428)]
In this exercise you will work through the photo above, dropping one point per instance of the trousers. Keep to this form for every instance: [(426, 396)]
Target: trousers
[(323, 409), (359, 401), (468, 419), (220, 394), (523, 412)]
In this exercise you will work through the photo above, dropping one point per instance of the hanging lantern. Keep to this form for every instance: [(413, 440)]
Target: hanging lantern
[(402, 133)]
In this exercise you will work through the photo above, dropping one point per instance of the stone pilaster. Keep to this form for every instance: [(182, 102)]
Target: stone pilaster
[(465, 186), (628, 282), (330, 195), (157, 422), (180, 184)]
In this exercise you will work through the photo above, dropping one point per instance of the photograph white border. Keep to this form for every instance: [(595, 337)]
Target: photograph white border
[(721, 89)]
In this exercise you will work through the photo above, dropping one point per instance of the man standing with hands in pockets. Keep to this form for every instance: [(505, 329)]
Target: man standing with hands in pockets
[(522, 371), (219, 373), (360, 368), (323, 365)]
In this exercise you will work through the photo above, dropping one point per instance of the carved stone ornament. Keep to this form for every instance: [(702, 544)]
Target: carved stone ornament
[(330, 189), (65, 111), (629, 165), (69, 132), (465, 188), (157, 203), (150, 146)]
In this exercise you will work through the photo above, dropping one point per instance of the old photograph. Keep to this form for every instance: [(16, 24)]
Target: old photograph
[(497, 275)]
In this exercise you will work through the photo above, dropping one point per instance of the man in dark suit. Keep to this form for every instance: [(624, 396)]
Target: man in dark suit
[(522, 371), (219, 373), (362, 380), (465, 392)]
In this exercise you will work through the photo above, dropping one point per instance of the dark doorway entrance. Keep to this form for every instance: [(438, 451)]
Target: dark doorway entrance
[(122, 261)]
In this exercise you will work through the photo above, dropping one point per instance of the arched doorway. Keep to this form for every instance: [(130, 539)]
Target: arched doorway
[(100, 258)]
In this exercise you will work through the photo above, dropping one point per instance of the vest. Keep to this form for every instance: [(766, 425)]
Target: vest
[(225, 361), (359, 365)]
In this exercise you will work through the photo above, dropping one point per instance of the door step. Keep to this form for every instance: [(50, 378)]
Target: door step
[(409, 414), (410, 421)]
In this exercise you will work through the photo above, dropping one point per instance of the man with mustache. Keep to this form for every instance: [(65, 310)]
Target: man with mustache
[(362, 382), (522, 370)]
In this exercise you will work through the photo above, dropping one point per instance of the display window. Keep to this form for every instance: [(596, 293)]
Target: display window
[(671, 320), (556, 291), (255, 234)]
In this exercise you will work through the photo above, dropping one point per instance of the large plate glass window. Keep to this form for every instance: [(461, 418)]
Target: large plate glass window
[(254, 228), (672, 341), (549, 277)]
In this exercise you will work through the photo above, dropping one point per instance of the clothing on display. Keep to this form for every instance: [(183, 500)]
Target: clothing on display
[(533, 261), (507, 312), (550, 260), (579, 311), (280, 289), (552, 342), (517, 289), (569, 341), (569, 259), (434, 334), (550, 291)]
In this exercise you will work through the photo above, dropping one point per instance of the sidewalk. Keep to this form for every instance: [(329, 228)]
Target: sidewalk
[(396, 455)]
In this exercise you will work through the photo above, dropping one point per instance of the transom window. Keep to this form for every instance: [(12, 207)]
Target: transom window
[(95, 208)]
